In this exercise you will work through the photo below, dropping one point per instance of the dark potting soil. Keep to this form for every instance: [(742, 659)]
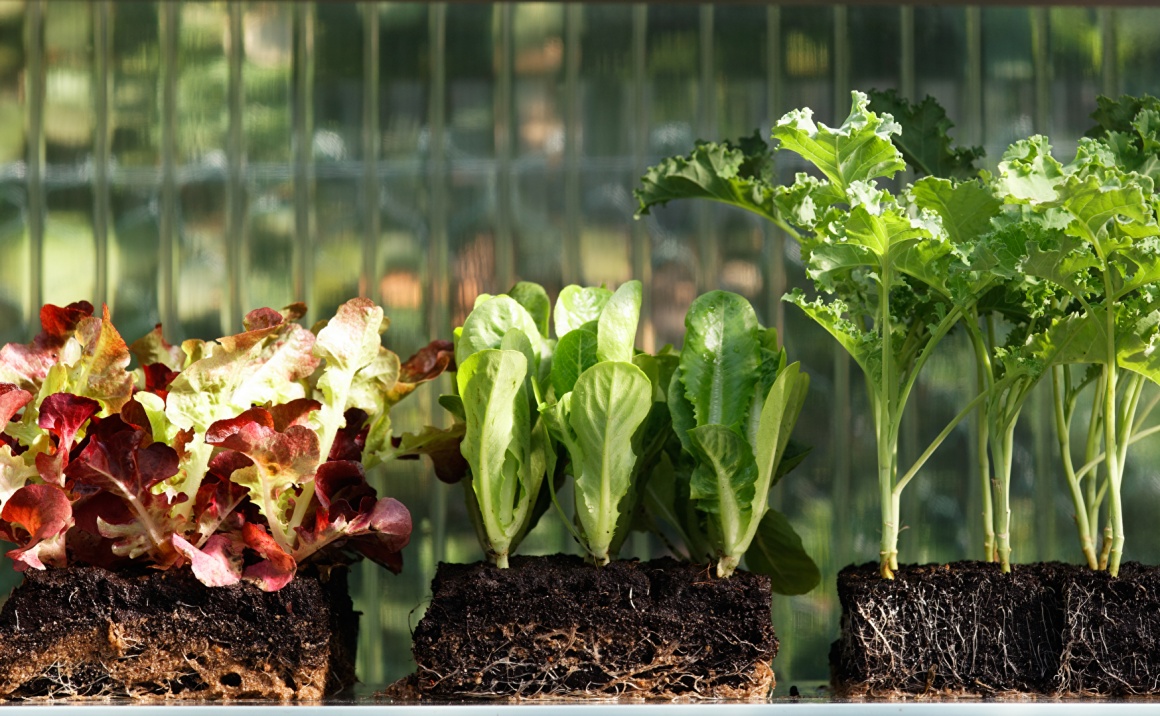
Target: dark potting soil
[(557, 627), (88, 632), (1111, 639), (959, 629)]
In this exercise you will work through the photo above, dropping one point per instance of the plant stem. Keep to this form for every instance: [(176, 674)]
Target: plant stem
[(1063, 435), (1111, 446), (1146, 412), (1094, 496), (1002, 448), (983, 373), (888, 554), (946, 431)]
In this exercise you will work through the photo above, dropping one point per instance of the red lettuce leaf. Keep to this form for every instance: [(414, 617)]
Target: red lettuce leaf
[(442, 445), (350, 440), (341, 488), (58, 324), (28, 365), (349, 518), (62, 415), (217, 564), (118, 458), (158, 376), (101, 370), (45, 514), (12, 399), (281, 462), (133, 413), (217, 496), (153, 349), (296, 412), (428, 363), (277, 567)]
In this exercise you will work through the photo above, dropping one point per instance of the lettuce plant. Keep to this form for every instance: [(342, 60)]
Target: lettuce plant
[(530, 407), (600, 400), (504, 359), (734, 403), (242, 457)]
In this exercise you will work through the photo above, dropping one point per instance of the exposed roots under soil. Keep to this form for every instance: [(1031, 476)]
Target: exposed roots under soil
[(88, 633), (954, 630), (965, 630), (1111, 640), (558, 628)]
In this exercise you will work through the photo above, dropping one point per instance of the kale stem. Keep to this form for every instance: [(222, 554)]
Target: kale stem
[(1143, 416), (983, 377), (1002, 448), (934, 445), (1111, 446), (1062, 433), (1094, 497), (885, 428)]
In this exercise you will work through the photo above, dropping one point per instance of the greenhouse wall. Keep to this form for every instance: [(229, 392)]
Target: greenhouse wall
[(185, 162)]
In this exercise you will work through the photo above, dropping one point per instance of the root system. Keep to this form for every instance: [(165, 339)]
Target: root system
[(87, 632), (963, 629), (555, 627)]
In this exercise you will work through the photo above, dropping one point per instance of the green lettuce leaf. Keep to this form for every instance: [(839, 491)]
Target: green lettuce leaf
[(777, 552), (577, 306), (497, 442), (616, 325), (575, 353), (596, 422), (720, 359)]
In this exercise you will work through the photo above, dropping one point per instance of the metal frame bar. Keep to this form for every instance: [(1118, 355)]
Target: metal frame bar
[(37, 200), (102, 44), (841, 419), (641, 254), (304, 171), (774, 281), (570, 270), (505, 258), (708, 250), (641, 257), (235, 239), (1109, 52), (1041, 58), (169, 19), (371, 140), (907, 70), (438, 251), (973, 113)]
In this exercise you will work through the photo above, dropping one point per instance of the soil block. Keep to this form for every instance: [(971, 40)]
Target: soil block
[(1111, 639), (557, 627), (949, 630), (88, 632)]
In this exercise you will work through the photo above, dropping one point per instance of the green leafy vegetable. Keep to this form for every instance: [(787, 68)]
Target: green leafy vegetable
[(600, 405), (596, 422), (498, 443), (1104, 264), (923, 138), (734, 403)]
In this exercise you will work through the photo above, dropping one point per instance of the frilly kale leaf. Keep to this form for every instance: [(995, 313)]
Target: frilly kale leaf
[(924, 140)]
